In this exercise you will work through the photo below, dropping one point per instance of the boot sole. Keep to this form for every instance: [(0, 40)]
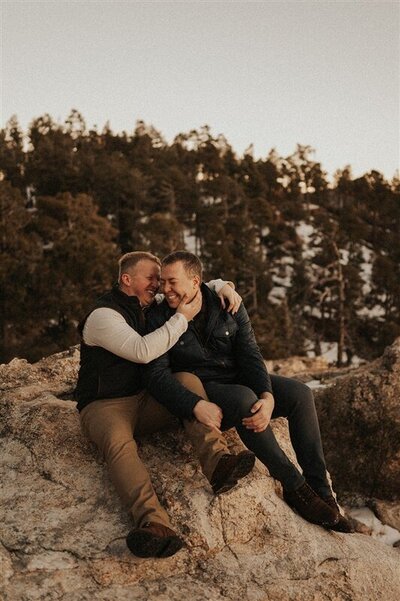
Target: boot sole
[(146, 544), (342, 525), (323, 524), (240, 470)]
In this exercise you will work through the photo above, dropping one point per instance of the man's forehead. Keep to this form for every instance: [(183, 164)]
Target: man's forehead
[(146, 267), (172, 269)]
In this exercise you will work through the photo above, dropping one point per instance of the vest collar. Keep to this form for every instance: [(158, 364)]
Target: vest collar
[(124, 299)]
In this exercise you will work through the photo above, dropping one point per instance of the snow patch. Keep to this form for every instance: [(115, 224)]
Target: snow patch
[(190, 241), (344, 256), (383, 533), (276, 295), (305, 231), (329, 351), (375, 312), (313, 384), (366, 268)]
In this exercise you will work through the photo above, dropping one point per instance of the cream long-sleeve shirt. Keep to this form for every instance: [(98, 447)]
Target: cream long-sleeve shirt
[(107, 328)]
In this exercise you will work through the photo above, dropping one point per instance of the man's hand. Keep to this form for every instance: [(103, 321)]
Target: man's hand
[(208, 414), (262, 410), (230, 297), (189, 310)]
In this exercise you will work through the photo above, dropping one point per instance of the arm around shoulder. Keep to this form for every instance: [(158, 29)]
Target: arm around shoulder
[(107, 328)]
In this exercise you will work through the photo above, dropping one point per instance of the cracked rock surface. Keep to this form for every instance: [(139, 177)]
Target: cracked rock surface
[(360, 424), (62, 527)]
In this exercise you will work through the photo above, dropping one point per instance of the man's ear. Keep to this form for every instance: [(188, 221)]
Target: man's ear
[(126, 279), (196, 280)]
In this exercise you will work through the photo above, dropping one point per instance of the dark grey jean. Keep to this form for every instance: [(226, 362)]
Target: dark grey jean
[(293, 400)]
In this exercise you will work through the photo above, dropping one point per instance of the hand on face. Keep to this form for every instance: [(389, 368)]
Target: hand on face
[(190, 308)]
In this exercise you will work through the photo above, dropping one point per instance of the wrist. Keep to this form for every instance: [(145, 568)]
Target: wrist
[(267, 396), (182, 315), (198, 405)]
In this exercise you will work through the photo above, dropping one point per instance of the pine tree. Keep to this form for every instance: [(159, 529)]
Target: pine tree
[(20, 255), (77, 266)]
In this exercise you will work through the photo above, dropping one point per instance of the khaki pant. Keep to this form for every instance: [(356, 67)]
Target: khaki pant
[(112, 424)]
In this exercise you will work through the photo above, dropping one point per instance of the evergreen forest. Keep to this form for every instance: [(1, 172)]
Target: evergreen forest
[(316, 262)]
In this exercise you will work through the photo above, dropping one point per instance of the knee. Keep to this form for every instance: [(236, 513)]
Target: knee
[(113, 446), (301, 395), (191, 382), (243, 398), (305, 393)]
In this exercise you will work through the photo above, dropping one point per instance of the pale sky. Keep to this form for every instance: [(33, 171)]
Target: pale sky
[(273, 74)]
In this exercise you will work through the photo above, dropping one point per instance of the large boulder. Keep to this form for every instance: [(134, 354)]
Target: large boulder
[(62, 527), (360, 424)]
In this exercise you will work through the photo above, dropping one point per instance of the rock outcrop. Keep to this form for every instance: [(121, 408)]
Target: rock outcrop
[(360, 424), (62, 528), (297, 365)]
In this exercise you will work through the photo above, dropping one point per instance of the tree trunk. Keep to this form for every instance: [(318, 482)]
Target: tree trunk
[(341, 301)]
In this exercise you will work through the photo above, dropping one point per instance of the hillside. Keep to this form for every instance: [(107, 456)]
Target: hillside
[(317, 262)]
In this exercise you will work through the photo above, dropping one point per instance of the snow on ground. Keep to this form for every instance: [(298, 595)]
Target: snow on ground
[(344, 256), (312, 311), (282, 273), (366, 268), (375, 312), (276, 295), (305, 231), (282, 281), (357, 361), (383, 533), (190, 241), (288, 260), (313, 384), (329, 351)]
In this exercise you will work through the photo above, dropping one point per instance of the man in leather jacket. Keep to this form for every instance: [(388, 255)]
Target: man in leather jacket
[(215, 374)]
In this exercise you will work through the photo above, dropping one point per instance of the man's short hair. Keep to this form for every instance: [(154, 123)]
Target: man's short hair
[(191, 262), (129, 260)]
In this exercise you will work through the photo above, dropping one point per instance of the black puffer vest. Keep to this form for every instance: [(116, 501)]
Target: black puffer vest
[(103, 375)]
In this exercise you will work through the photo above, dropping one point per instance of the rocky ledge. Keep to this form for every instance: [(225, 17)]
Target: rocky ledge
[(62, 528)]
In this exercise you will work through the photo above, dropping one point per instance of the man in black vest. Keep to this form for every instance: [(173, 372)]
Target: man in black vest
[(233, 388), (114, 406)]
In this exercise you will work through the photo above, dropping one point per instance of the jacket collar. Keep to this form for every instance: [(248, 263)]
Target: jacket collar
[(213, 309)]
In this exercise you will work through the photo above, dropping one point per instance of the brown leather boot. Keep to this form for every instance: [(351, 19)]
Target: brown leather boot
[(343, 524), (153, 540), (230, 468), (311, 507)]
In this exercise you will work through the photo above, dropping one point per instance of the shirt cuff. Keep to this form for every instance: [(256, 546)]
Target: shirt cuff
[(219, 284), (179, 317)]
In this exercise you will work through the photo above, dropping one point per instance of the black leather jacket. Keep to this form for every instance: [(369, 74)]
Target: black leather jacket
[(227, 353)]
